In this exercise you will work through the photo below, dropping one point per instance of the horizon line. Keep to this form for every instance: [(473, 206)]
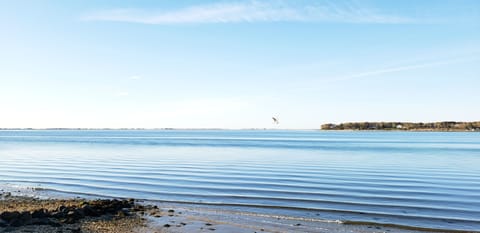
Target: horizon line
[(140, 128)]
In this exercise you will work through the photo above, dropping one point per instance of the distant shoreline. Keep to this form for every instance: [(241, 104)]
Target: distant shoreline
[(443, 126), (324, 128), (86, 129)]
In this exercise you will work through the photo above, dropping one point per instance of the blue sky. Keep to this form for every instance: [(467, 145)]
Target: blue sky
[(235, 64)]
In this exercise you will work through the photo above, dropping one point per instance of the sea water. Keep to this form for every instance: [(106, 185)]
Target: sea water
[(416, 179)]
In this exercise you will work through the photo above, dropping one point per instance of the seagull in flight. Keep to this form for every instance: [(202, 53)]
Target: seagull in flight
[(275, 120)]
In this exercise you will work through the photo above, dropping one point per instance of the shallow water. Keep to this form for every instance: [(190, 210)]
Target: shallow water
[(428, 180)]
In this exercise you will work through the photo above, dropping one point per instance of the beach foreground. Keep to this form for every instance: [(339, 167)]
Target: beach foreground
[(31, 214)]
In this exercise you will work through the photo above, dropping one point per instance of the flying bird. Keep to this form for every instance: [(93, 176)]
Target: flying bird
[(275, 120)]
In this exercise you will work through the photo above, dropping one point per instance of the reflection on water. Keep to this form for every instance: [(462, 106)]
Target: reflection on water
[(409, 178)]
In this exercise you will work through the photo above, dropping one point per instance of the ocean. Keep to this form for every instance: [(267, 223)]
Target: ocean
[(413, 179)]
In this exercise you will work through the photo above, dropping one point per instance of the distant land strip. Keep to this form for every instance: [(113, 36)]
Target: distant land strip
[(406, 126), (110, 128)]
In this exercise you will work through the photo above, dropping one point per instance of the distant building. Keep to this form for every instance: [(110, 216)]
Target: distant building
[(328, 126)]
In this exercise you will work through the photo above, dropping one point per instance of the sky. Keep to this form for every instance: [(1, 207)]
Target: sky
[(237, 64)]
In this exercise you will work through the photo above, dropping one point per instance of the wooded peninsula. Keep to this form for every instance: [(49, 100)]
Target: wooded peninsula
[(406, 126)]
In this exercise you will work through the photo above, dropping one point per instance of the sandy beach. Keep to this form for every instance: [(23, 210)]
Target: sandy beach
[(20, 213)]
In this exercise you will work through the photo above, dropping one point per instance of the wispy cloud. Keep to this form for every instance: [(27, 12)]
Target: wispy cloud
[(404, 68), (135, 77), (252, 11), (386, 72)]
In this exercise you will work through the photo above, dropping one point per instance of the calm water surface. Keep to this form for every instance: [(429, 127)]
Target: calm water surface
[(429, 180)]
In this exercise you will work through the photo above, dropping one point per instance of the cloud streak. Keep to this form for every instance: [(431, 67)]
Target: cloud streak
[(404, 68), (135, 77), (382, 73), (252, 11)]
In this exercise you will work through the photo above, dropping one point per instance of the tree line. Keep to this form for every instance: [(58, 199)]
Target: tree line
[(429, 126)]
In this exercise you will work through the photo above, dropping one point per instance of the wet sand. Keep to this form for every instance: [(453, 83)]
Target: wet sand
[(151, 217), (195, 218)]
